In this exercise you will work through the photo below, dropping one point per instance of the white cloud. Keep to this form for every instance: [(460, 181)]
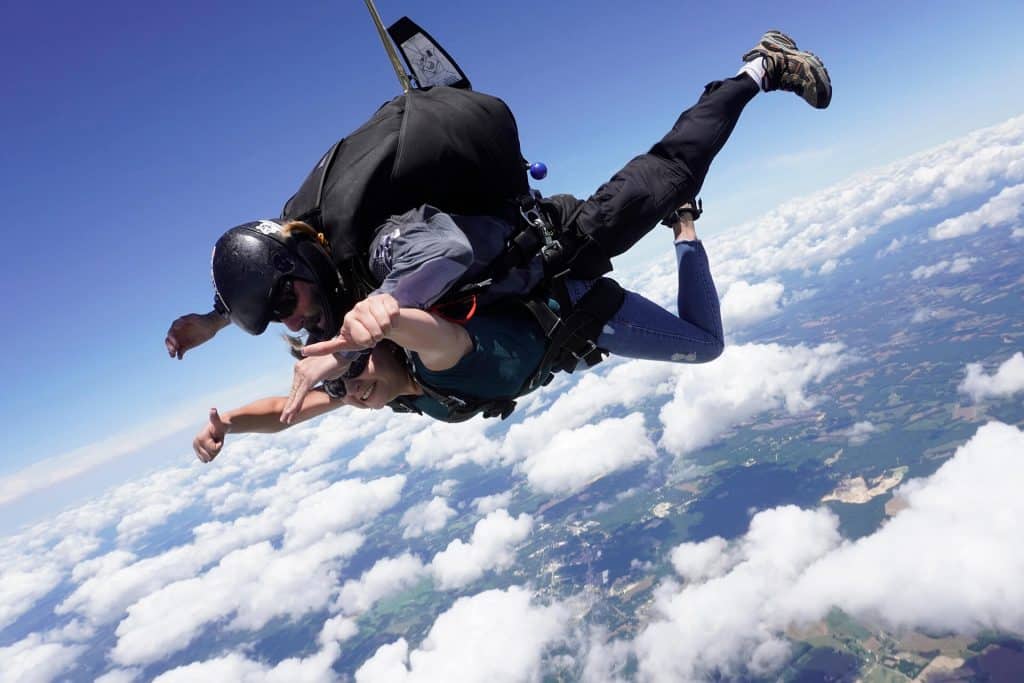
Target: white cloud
[(161, 495), (120, 676), (389, 443), (576, 457), (703, 560), (894, 246), (490, 547), (497, 636), (386, 577), (340, 506), (254, 584), (445, 446), (334, 431), (962, 264), (744, 304), (235, 666), (957, 265), (117, 581), (1005, 208), (860, 432), (444, 488), (808, 232), (1007, 380), (746, 380), (33, 660), (949, 561), (625, 384), (21, 587), (426, 518), (922, 315), (718, 624), (487, 504)]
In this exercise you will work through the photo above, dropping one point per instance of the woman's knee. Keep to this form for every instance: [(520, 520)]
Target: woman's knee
[(709, 352)]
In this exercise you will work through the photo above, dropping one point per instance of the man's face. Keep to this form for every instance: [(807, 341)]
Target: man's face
[(307, 314)]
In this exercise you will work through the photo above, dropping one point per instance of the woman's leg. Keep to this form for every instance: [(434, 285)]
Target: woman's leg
[(643, 329)]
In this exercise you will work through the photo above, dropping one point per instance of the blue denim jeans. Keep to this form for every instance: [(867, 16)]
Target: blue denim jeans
[(643, 329)]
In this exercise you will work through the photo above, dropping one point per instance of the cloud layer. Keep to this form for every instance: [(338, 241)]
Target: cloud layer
[(949, 561), (314, 527)]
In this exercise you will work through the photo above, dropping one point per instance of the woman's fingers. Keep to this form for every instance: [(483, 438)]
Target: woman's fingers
[(206, 450), (301, 384)]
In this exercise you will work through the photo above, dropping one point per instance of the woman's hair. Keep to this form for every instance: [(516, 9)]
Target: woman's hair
[(295, 344), (301, 229)]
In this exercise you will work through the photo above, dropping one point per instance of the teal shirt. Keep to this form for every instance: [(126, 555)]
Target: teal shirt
[(507, 350)]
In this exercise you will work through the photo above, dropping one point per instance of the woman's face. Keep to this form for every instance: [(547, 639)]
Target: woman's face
[(383, 380)]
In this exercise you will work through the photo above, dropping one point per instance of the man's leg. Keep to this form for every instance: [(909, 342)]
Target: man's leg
[(651, 185)]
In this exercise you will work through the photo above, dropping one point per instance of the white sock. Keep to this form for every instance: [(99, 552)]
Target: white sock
[(757, 70)]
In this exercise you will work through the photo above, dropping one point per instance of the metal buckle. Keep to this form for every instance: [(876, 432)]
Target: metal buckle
[(592, 347)]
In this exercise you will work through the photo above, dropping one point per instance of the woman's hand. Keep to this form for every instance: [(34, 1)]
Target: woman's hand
[(191, 330), (307, 374), (210, 439)]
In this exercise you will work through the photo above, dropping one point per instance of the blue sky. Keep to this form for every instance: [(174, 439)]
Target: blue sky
[(134, 134)]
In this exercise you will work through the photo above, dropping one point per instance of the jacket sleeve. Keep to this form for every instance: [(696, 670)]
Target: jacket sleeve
[(418, 256)]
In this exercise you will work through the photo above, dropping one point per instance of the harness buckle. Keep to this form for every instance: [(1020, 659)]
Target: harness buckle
[(590, 348)]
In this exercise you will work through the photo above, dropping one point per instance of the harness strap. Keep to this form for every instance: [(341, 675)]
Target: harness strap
[(574, 338), (459, 408)]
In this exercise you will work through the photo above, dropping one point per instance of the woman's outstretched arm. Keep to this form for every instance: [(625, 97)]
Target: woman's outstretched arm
[(260, 416)]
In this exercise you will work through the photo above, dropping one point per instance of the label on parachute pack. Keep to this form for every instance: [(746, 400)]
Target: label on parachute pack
[(429, 64)]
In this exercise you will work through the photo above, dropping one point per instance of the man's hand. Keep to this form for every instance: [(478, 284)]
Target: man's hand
[(307, 374), (191, 330), (370, 320), (210, 440)]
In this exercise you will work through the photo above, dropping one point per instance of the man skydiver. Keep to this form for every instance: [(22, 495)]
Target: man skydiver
[(614, 218), (429, 253)]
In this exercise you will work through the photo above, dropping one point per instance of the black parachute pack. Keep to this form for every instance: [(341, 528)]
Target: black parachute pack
[(455, 149), (458, 150)]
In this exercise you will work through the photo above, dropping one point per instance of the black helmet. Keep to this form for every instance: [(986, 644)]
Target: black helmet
[(250, 261)]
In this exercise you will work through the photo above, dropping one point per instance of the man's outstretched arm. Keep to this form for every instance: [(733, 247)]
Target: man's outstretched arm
[(191, 330)]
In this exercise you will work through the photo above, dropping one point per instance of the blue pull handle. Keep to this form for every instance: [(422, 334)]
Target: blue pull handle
[(538, 170)]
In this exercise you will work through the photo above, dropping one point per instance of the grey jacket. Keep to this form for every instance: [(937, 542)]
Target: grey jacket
[(420, 255)]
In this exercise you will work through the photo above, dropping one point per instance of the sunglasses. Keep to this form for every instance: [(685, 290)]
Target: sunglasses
[(355, 368), (283, 300)]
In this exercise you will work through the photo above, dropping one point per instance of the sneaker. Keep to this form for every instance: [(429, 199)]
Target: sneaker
[(792, 69)]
